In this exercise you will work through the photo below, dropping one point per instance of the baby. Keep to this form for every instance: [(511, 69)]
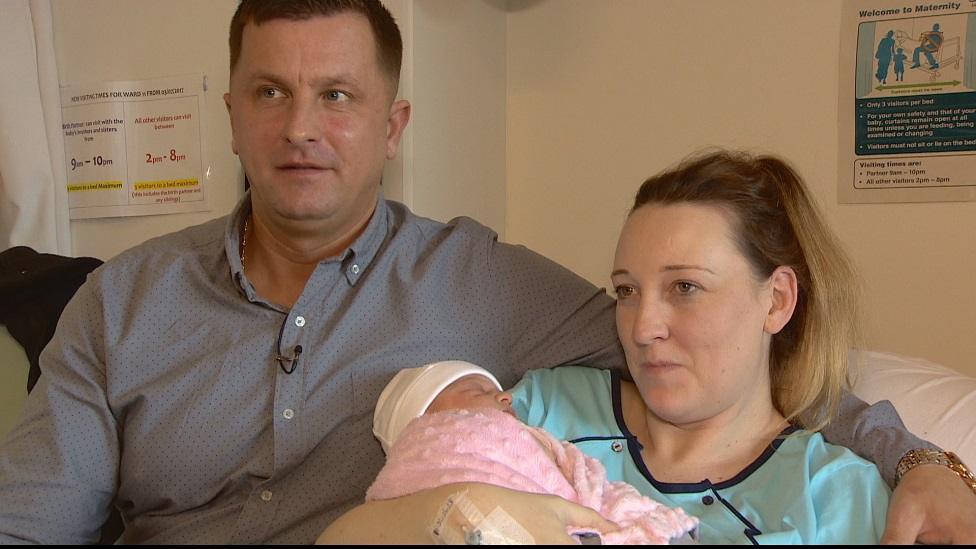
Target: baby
[(450, 422)]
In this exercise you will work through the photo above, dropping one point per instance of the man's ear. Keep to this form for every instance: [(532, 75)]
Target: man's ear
[(233, 142), (783, 286), (395, 124)]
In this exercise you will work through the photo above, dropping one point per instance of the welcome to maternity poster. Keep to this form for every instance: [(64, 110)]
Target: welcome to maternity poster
[(907, 101)]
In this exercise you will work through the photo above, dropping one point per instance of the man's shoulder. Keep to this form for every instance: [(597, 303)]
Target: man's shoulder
[(407, 221), (206, 239), (459, 239), (466, 236)]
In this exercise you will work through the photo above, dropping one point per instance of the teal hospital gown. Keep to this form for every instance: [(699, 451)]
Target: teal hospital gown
[(800, 490)]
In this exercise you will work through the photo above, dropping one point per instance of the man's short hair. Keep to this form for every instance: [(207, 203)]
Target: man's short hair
[(389, 45)]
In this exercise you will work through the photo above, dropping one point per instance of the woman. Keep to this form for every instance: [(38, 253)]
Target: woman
[(735, 308), (736, 312)]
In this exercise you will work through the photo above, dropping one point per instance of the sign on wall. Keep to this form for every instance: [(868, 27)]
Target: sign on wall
[(907, 101), (135, 147)]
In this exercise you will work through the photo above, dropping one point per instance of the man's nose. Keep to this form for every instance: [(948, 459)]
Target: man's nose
[(303, 124)]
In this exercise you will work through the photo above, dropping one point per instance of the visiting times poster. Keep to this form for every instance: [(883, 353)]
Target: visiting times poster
[(907, 101), (135, 147)]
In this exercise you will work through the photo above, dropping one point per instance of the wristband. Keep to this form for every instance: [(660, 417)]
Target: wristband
[(459, 522)]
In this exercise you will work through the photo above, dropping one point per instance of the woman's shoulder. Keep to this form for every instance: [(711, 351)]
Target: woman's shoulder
[(828, 468), (825, 460), (561, 387), (566, 399), (844, 491), (564, 376)]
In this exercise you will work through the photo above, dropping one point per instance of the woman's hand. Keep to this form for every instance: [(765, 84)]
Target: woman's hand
[(931, 505), (411, 519)]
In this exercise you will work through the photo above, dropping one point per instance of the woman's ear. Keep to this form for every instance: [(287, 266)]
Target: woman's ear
[(784, 290)]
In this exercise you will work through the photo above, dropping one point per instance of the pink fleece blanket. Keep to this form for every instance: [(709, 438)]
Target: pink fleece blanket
[(496, 448)]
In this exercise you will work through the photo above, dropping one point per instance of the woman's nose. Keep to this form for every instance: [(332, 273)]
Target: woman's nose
[(650, 324)]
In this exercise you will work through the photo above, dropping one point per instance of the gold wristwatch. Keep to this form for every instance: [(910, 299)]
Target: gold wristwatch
[(920, 456)]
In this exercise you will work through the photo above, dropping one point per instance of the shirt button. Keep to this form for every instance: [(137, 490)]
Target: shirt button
[(299, 321), (617, 446), (266, 495), (708, 500), (355, 269), (288, 413)]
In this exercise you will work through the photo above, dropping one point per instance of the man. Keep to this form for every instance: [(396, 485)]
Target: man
[(929, 44), (217, 384)]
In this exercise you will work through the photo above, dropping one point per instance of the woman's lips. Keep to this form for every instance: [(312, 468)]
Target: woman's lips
[(660, 366)]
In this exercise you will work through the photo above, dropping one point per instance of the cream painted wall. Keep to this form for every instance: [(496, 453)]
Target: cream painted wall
[(452, 159), (458, 95), (595, 97), (100, 40), (603, 94)]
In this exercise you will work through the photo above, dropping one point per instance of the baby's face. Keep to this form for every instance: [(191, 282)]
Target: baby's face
[(470, 392)]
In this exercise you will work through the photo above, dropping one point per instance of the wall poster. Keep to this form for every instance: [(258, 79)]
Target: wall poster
[(135, 147), (907, 101)]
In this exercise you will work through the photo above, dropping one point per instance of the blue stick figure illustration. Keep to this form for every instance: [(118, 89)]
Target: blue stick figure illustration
[(931, 42), (900, 58), (886, 49)]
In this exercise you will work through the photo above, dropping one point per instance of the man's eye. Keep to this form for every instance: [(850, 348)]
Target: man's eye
[(270, 93), (336, 95)]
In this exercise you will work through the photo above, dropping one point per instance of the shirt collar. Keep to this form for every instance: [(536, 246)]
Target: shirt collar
[(355, 259), (362, 252)]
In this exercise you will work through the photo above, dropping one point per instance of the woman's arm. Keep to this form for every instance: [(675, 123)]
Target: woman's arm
[(445, 514)]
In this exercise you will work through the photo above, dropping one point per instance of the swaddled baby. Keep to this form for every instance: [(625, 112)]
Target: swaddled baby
[(450, 422)]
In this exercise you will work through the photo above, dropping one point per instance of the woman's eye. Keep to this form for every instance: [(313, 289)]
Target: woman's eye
[(624, 291), (686, 288)]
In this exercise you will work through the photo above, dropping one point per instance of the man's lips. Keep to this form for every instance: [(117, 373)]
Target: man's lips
[(302, 166), (303, 171)]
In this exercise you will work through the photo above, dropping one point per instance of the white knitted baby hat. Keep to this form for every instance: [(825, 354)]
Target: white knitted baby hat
[(411, 391)]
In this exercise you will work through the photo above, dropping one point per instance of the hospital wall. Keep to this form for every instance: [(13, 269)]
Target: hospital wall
[(452, 158), (109, 40), (602, 95), (541, 118)]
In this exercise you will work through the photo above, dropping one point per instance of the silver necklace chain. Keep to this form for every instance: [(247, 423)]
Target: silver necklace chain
[(244, 241)]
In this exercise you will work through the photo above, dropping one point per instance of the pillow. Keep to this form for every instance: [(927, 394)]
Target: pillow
[(936, 403)]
